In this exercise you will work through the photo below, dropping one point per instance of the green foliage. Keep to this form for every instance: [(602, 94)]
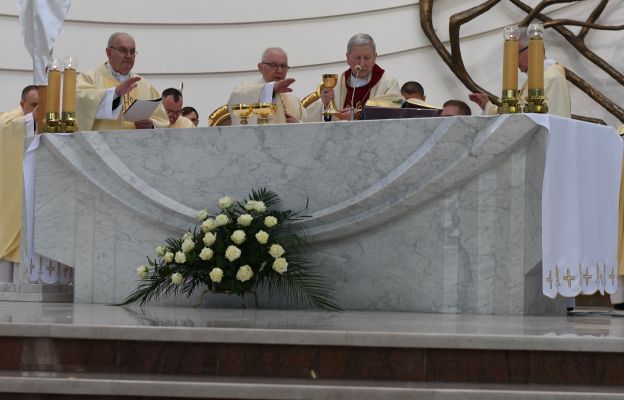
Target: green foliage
[(299, 284)]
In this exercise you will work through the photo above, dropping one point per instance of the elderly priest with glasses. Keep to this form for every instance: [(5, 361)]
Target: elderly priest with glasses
[(273, 87), (104, 94)]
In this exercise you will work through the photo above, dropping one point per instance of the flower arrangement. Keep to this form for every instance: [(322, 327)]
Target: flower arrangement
[(245, 247)]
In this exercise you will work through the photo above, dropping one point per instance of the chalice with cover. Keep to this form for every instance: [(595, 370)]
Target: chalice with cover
[(263, 111), (243, 111), (330, 81)]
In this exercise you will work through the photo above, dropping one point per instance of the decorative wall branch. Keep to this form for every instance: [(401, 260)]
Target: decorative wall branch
[(456, 64)]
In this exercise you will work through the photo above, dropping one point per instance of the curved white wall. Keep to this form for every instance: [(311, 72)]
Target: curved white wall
[(213, 46)]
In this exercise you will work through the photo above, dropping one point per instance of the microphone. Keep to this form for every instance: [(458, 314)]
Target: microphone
[(357, 68)]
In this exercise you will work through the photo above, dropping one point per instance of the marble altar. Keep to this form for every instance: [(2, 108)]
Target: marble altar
[(429, 215)]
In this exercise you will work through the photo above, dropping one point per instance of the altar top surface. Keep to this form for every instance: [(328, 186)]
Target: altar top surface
[(593, 332)]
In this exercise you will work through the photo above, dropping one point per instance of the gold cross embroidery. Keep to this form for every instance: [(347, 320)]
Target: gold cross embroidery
[(587, 276), (557, 283), (549, 279), (612, 277), (569, 278)]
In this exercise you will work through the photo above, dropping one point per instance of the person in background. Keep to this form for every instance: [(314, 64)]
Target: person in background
[(191, 113), (173, 101)]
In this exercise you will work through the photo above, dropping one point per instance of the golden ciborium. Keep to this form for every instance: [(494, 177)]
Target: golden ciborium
[(263, 111), (243, 111), (330, 81)]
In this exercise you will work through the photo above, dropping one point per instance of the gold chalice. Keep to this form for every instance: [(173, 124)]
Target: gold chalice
[(330, 81), (263, 111), (243, 111)]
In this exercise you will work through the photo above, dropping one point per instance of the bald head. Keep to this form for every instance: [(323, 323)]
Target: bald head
[(121, 52), (274, 64)]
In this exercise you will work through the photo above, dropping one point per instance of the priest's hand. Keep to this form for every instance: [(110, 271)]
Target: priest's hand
[(480, 98), (283, 85), (126, 86), (327, 95), (144, 124), (345, 114), (291, 120)]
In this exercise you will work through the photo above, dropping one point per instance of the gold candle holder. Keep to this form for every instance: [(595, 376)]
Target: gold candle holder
[(263, 111), (68, 115), (53, 97), (243, 111), (536, 101), (509, 99)]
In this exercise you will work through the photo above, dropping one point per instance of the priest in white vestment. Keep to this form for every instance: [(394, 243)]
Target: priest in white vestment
[(556, 88), (363, 80), (104, 94), (273, 87), (173, 102)]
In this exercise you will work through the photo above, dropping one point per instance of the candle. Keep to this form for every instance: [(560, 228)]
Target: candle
[(69, 90), (53, 99), (536, 56), (510, 65), (69, 85)]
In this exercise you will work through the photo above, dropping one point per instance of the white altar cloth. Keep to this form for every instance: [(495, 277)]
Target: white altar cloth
[(580, 199)]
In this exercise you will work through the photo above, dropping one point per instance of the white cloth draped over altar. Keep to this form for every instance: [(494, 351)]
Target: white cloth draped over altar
[(580, 200), (432, 214)]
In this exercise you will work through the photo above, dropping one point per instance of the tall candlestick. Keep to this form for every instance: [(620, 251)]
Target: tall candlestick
[(510, 58), (509, 98), (536, 100), (53, 98)]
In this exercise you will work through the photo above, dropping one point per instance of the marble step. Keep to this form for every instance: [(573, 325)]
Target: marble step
[(92, 386)]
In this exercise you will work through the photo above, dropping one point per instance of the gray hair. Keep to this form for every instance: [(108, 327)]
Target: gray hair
[(361, 39), (265, 53), (114, 36)]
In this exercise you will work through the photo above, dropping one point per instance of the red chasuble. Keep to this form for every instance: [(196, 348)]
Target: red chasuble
[(363, 92)]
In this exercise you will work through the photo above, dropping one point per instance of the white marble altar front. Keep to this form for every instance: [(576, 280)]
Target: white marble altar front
[(430, 215)]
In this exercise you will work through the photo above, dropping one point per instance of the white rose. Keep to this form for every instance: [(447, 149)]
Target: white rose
[(180, 258), (201, 215), (221, 220), (216, 275), (232, 253), (160, 251), (208, 225), (225, 202), (244, 220), (177, 278), (168, 257), (250, 205), (209, 239), (262, 237), (238, 237), (280, 265), (276, 251), (259, 206), (244, 273), (187, 235), (270, 221), (206, 254), (142, 272), (188, 245)]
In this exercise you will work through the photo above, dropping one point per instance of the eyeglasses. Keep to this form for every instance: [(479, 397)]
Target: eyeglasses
[(124, 51), (523, 49), (173, 112), (284, 67)]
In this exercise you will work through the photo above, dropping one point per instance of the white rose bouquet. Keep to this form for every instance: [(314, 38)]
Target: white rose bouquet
[(243, 247)]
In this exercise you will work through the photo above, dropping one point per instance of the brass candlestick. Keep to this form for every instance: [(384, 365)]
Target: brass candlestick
[(536, 102), (69, 94), (243, 111), (53, 98), (263, 111)]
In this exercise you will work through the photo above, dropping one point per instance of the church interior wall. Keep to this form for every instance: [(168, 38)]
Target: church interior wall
[(213, 46)]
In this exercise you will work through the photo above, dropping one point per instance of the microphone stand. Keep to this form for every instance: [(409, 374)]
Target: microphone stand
[(358, 68)]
